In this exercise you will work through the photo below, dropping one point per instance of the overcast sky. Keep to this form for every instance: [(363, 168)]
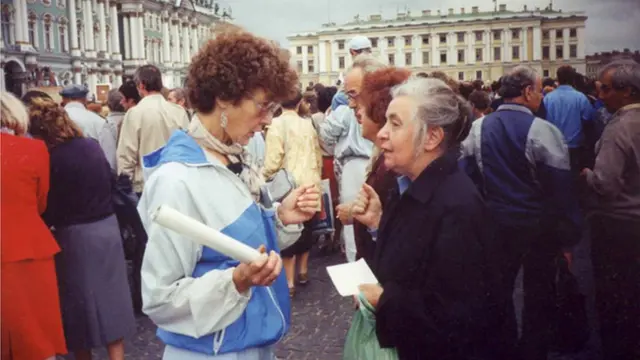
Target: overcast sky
[(612, 24)]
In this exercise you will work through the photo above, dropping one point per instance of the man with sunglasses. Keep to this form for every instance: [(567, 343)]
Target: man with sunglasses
[(520, 164)]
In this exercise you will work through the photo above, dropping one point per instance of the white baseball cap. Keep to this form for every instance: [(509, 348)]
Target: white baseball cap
[(360, 42)]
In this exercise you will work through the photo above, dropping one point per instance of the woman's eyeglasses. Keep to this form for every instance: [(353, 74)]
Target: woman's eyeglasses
[(268, 108)]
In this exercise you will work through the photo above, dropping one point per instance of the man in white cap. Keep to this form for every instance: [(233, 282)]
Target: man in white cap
[(359, 45)]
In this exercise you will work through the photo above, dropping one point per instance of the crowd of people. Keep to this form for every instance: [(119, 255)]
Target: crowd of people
[(446, 189)]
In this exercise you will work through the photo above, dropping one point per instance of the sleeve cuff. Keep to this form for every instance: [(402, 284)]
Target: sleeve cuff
[(373, 233)]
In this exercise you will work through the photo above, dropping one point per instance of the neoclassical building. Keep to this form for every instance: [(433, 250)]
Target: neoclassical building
[(97, 42), (467, 45)]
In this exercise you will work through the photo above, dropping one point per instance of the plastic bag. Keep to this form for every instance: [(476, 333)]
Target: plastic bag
[(362, 341)]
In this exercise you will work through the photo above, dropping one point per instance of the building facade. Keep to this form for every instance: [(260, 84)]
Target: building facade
[(465, 45), (596, 61), (97, 42)]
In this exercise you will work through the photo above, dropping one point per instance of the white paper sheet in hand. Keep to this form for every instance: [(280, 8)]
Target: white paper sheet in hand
[(347, 277)]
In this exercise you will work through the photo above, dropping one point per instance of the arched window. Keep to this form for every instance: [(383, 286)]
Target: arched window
[(8, 25), (47, 22), (63, 34), (33, 34)]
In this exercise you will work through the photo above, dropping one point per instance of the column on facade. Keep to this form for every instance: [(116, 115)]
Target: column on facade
[(435, 54), (20, 19), (488, 54), (581, 43), (400, 44), (175, 55), (195, 44), (334, 56), (316, 59), (140, 38), (115, 31), (88, 28), (382, 45), (73, 27), (127, 37), (305, 59), (186, 46), (166, 50), (102, 46), (537, 43), (505, 51), (134, 35), (452, 54), (322, 56), (565, 45), (471, 53), (525, 44), (552, 45), (416, 46)]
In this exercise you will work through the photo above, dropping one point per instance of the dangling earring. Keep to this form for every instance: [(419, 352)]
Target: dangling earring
[(223, 120)]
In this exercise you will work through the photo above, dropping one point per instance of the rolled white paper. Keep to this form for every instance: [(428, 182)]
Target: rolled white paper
[(202, 234)]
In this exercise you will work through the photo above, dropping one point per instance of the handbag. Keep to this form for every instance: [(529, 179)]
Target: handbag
[(282, 182)]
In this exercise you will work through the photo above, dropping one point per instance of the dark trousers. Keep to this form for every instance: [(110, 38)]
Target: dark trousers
[(615, 252), (533, 249)]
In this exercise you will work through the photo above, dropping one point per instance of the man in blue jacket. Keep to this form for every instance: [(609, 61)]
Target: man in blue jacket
[(520, 163)]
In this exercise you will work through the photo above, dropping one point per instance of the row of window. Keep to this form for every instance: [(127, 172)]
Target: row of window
[(479, 56), (408, 40)]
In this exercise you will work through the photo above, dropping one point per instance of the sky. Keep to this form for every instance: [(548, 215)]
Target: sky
[(611, 24)]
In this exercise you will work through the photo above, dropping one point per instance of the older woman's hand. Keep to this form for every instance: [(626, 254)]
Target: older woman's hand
[(262, 272), (367, 208), (344, 213), (372, 293), (300, 205)]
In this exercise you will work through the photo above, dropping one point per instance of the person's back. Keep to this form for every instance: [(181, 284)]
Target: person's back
[(25, 183), (80, 184), (301, 149), (567, 108), (516, 154)]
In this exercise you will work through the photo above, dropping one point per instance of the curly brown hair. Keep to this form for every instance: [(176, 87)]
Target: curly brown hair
[(376, 91), (51, 123), (453, 84), (233, 65)]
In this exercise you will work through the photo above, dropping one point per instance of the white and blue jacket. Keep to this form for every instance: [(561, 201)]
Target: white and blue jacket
[(187, 289), (520, 163)]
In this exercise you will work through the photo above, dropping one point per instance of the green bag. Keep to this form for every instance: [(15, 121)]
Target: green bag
[(362, 341)]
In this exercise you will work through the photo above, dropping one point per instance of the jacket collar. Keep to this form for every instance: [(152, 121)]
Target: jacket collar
[(515, 107), (75, 105), (424, 186)]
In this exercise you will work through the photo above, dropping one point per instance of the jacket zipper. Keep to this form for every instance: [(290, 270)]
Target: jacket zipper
[(284, 321)]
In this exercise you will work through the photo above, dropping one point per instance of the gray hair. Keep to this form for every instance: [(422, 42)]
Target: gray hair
[(367, 62), (439, 106), (512, 84), (626, 73), (114, 97)]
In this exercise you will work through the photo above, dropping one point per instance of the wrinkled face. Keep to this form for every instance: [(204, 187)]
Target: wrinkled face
[(172, 98), (248, 116), (396, 138), (613, 98), (353, 86), (369, 128)]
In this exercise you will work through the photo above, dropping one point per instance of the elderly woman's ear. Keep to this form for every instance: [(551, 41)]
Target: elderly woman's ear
[(434, 138)]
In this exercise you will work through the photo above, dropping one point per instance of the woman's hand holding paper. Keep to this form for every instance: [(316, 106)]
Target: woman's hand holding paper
[(261, 272), (344, 213), (300, 205)]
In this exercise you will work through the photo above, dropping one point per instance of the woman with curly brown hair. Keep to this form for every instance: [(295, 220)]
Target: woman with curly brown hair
[(372, 107), (206, 304), (92, 274)]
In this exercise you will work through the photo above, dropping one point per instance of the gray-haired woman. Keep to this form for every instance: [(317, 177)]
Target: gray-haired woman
[(432, 239)]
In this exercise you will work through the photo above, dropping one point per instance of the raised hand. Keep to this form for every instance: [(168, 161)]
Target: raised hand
[(367, 208), (300, 205)]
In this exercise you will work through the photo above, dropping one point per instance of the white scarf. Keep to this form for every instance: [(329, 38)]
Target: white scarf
[(235, 153)]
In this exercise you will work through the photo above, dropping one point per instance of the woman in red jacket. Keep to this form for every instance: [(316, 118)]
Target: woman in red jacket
[(31, 320)]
